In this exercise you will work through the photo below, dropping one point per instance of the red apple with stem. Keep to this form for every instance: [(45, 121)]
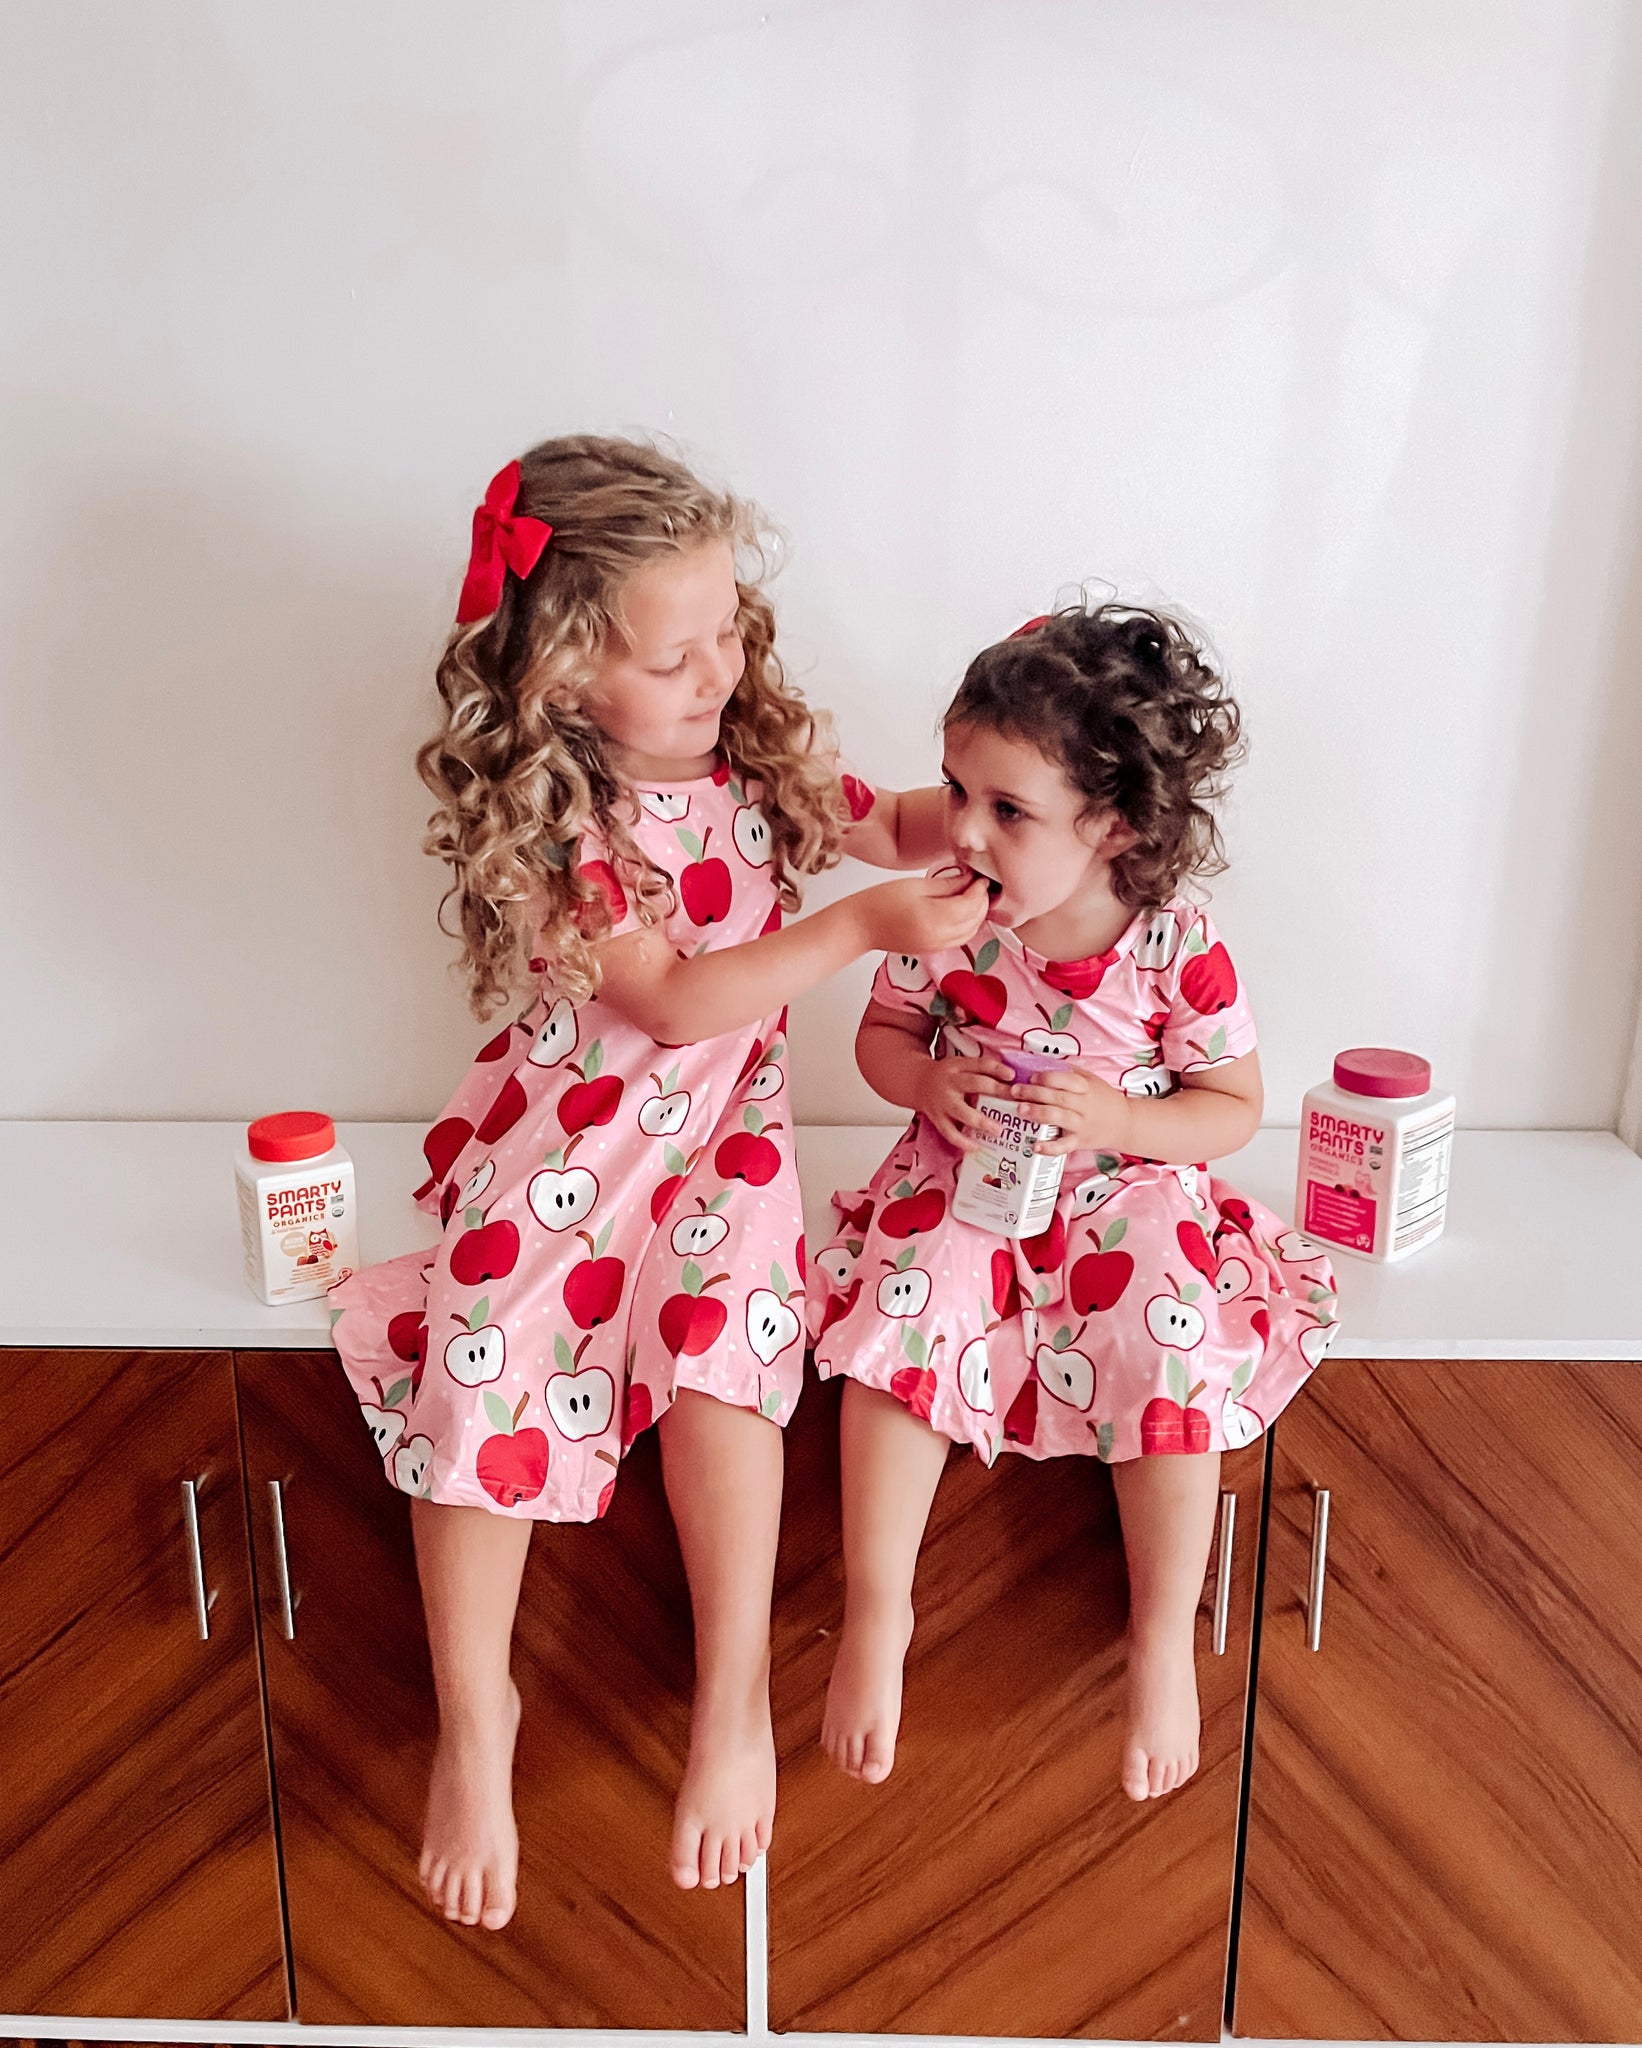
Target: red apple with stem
[(1078, 978), (1020, 1425), (1006, 1285), (1195, 1245), (704, 886), (440, 1148), (504, 1112), (637, 1414), (980, 996), (691, 1322), (749, 1154), (1098, 1280), (592, 1290), (913, 1210), (407, 1333), (914, 1387), (1046, 1252), (594, 1096), (837, 1307), (1208, 981), (484, 1251), (494, 1048)]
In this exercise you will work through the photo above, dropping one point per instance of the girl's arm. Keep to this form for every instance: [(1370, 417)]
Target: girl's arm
[(1211, 1113), (893, 1051), (905, 828), (678, 1001)]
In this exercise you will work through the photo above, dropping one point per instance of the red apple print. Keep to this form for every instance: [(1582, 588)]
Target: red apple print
[(1046, 1252), (504, 1112), (837, 1307), (592, 1290), (772, 923), (603, 876), (755, 1053), (704, 885), (589, 1102), (636, 1414), (440, 1148), (912, 1213), (914, 1387), (1167, 1429), (1156, 1024), (801, 1260), (981, 996), (1020, 1425), (1208, 981), (494, 1048), (536, 964), (690, 1323), (406, 1335), (1235, 1211), (749, 1156), (1078, 978), (1260, 1323), (1006, 1285), (859, 798), (1195, 1245), (1098, 1280), (662, 1200), (489, 1252), (721, 772), (447, 1201), (513, 1468), (607, 1494), (858, 1218)]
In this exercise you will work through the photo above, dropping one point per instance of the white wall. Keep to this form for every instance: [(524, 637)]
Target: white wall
[(1322, 322)]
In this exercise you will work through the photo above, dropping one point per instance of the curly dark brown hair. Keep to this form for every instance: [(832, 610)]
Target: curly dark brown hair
[(1128, 702)]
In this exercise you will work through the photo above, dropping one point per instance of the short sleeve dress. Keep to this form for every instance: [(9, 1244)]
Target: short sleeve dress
[(1159, 1311), (621, 1218)]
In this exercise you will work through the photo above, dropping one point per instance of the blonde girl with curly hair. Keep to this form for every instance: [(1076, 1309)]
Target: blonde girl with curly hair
[(1156, 1317), (629, 792)]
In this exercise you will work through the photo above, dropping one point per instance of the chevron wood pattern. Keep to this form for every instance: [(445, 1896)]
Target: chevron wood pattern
[(602, 1660), (1445, 1827), (1000, 1882), (137, 1867)]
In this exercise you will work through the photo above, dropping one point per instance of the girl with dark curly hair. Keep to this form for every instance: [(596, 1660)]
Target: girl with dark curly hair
[(1158, 1317)]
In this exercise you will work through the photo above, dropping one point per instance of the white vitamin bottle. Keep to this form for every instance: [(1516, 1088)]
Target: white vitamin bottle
[(1374, 1150), (297, 1216)]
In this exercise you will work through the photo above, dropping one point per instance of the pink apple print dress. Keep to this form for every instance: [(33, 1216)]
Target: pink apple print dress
[(622, 1219), (1159, 1311)]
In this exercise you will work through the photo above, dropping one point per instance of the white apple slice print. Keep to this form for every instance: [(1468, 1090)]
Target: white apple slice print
[(906, 971), (1060, 1043), (1068, 1376), (836, 1263), (1188, 1178), (1231, 1279), (1294, 1248), (581, 1403), (1239, 1425), (387, 1425), (1146, 1081), (1090, 1195), (667, 804), (699, 1234), (1159, 941), (474, 1358), (904, 1294), (555, 1039), (765, 1083), (662, 1116), (975, 1376), (1174, 1323), (410, 1463), (772, 1324), (479, 1180), (560, 1197), (1314, 1342), (750, 830)]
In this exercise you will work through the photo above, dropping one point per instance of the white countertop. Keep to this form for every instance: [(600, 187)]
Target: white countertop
[(124, 1235)]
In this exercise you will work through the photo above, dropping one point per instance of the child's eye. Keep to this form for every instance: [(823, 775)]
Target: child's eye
[(954, 790), (1007, 813)]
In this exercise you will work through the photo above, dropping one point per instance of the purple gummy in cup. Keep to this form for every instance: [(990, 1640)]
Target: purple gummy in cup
[(1026, 1066)]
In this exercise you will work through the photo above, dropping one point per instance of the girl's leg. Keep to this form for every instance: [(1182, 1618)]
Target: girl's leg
[(470, 1563), (722, 1466), (1167, 1506), (892, 1465)]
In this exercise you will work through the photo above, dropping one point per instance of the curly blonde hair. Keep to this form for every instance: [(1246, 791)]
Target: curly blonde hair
[(520, 767), (1128, 702)]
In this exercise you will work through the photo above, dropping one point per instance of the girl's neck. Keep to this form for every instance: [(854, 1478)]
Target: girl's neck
[(1089, 922), (636, 767)]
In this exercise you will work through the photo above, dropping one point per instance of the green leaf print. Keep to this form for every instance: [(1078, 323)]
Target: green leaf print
[(904, 1257), (987, 958), (501, 1416), (688, 840), (603, 1239), (555, 853), (676, 1162), (1191, 1290), (775, 1050), (1242, 1376), (396, 1393), (563, 1357), (778, 1283), (1176, 1376), (1040, 1294), (770, 1407), (1195, 941), (594, 1062), (1107, 1163), (902, 1189), (913, 1345), (1115, 1235), (336, 1316), (753, 1119), (720, 1201), (555, 1160), (670, 1080), (479, 1314), (1061, 1339), (939, 1006), (1103, 1442), (1217, 1042), (737, 793), (854, 1246), (473, 1218), (1061, 1018), (692, 1277)]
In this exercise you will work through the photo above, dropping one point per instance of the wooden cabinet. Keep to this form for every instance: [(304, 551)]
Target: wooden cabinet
[(1445, 1820), (999, 1882), (138, 1874), (602, 1659)]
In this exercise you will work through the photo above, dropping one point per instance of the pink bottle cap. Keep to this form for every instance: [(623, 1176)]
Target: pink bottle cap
[(293, 1134), (1377, 1070)]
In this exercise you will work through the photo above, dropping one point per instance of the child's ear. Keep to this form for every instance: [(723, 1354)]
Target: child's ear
[(1106, 834)]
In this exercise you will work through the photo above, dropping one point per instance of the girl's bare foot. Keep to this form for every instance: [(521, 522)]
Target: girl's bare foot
[(863, 1714), (726, 1805), (1160, 1744), (470, 1846)]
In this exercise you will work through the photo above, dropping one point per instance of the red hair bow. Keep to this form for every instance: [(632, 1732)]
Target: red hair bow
[(502, 540), (1031, 626)]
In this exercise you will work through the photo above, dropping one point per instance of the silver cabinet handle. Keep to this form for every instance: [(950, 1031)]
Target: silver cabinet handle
[(203, 1601), (1223, 1571), (1319, 1567), (282, 1569)]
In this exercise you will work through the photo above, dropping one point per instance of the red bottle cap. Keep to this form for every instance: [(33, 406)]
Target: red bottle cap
[(1377, 1070), (293, 1134)]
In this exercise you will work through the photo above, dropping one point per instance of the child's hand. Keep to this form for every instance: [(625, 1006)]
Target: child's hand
[(921, 914), (947, 1089), (1090, 1115)]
